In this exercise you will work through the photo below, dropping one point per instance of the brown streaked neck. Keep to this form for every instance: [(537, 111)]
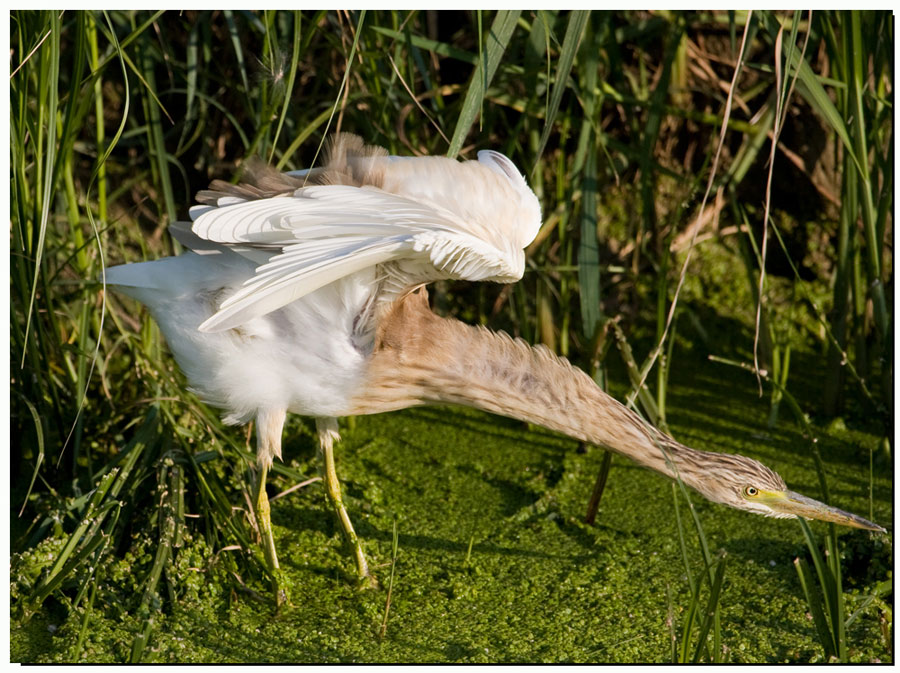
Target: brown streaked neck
[(421, 358)]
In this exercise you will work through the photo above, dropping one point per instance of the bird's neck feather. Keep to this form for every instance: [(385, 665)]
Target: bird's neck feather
[(421, 358)]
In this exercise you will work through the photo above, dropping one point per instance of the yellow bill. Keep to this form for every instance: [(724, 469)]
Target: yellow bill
[(789, 502)]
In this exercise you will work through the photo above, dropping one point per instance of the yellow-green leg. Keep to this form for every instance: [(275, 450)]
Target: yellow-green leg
[(267, 537), (269, 425), (328, 433)]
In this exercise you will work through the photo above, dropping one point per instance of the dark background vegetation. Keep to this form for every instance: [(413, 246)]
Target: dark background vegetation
[(118, 118)]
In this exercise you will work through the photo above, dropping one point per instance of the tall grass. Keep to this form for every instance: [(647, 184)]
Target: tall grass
[(117, 118)]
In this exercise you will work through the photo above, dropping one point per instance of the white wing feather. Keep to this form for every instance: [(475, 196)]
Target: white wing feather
[(325, 233)]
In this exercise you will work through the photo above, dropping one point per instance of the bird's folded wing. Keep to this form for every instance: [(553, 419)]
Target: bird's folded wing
[(329, 232)]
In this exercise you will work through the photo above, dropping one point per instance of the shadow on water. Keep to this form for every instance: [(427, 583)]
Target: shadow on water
[(309, 520), (498, 428)]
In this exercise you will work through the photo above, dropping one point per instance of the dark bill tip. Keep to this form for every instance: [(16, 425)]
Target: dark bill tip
[(800, 505)]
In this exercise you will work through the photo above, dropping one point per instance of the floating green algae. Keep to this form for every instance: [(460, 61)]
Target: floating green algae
[(537, 583)]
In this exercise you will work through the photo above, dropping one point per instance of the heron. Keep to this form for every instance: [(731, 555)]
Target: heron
[(305, 292)]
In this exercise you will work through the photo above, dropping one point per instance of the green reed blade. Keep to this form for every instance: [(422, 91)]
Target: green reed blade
[(235, 36), (39, 431), (292, 74), (433, 46), (48, 55), (574, 30), (712, 607), (823, 571), (809, 86), (497, 40), (815, 607)]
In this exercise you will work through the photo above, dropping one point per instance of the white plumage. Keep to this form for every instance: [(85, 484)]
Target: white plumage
[(275, 307), (430, 219)]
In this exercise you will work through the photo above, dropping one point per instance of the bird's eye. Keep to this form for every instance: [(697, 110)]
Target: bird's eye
[(751, 491)]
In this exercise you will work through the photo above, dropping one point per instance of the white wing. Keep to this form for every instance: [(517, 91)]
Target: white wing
[(324, 233)]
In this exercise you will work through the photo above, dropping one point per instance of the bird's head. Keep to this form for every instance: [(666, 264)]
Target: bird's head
[(747, 484)]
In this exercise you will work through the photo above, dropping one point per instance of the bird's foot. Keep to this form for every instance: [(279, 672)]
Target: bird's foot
[(267, 539), (279, 586), (364, 577), (281, 597), (367, 581)]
